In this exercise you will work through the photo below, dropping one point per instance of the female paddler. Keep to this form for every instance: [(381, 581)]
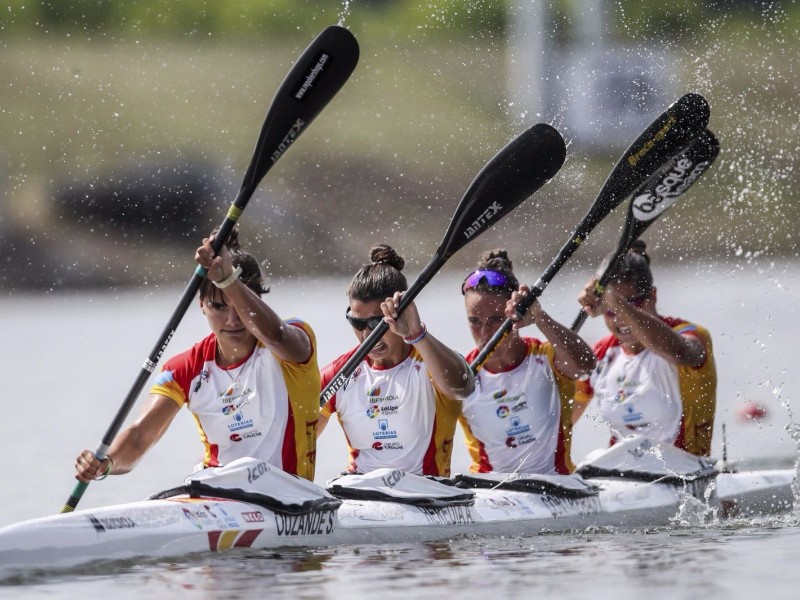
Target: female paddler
[(252, 384), (655, 375), (400, 407), (519, 418)]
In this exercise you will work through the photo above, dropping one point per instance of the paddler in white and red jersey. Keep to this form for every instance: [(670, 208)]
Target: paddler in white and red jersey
[(655, 375), (251, 384), (519, 418), (400, 406)]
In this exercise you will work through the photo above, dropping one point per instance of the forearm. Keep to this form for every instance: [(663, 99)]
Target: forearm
[(573, 356), (288, 342), (660, 338), (449, 370)]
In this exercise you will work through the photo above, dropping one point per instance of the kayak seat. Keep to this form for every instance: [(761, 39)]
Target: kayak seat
[(562, 486), (393, 485), (256, 482)]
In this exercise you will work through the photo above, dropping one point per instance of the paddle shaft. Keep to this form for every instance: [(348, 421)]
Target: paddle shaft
[(653, 199), (665, 136), (313, 81), (514, 173)]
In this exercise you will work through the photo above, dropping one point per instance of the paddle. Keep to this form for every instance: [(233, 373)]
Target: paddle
[(663, 138), (517, 171), (312, 82), (652, 199)]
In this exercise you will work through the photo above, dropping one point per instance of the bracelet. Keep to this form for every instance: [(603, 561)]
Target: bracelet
[(418, 337), (108, 469), (229, 279)]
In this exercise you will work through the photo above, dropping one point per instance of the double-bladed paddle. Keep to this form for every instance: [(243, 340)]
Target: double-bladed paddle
[(666, 136), (515, 173), (313, 81), (652, 199)]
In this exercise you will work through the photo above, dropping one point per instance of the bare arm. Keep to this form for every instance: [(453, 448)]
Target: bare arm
[(322, 422), (573, 356), (449, 370), (290, 343), (654, 334), (130, 445)]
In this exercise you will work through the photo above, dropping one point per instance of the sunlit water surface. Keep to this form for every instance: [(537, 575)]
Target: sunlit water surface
[(70, 358)]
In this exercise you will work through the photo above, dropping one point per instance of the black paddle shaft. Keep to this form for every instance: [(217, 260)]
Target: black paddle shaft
[(653, 198), (313, 81), (514, 174), (667, 135)]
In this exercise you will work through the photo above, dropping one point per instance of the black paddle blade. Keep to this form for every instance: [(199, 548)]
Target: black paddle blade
[(663, 189), (666, 136), (523, 166), (653, 198), (517, 171), (314, 80)]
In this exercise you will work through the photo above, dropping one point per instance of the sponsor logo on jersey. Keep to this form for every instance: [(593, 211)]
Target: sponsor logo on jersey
[(525, 439), (236, 437), (375, 410), (384, 433), (387, 446), (503, 411), (517, 427)]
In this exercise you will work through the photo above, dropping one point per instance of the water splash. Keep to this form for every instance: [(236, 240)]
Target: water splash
[(793, 429), (346, 5)]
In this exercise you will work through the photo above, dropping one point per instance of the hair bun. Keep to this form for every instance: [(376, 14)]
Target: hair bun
[(640, 247), (383, 254), (496, 260)]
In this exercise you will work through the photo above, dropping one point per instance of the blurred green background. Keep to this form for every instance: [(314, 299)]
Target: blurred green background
[(95, 93)]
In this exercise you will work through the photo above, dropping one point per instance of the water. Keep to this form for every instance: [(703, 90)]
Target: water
[(70, 358)]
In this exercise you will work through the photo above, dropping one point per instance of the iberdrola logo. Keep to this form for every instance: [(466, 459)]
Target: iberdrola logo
[(500, 394), (376, 391)]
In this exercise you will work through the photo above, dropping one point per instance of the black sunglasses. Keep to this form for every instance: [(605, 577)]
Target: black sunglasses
[(362, 324)]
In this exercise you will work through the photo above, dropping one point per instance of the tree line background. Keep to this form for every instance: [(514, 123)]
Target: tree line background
[(127, 128)]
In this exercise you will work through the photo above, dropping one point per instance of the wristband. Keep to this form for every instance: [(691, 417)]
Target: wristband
[(229, 279), (108, 469), (411, 340)]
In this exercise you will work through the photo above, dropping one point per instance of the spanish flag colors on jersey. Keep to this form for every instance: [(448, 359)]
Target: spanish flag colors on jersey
[(394, 417), (644, 394), (264, 407)]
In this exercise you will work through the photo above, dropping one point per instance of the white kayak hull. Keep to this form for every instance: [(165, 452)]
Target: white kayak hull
[(182, 525)]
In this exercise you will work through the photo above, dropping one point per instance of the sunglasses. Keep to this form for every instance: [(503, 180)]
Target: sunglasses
[(637, 302), (362, 324), (492, 279)]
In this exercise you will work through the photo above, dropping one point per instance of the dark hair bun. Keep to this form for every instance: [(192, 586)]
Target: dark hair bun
[(496, 260), (640, 247), (383, 254)]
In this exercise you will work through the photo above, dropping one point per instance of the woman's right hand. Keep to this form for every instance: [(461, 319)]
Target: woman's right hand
[(590, 299), (218, 266), (88, 468)]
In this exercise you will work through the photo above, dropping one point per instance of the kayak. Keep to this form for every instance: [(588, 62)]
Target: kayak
[(251, 504)]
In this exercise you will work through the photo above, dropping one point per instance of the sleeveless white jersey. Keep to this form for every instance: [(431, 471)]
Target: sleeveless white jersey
[(638, 394), (394, 417), (265, 407), (512, 420)]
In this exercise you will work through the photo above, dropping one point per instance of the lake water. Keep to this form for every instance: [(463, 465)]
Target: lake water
[(70, 358)]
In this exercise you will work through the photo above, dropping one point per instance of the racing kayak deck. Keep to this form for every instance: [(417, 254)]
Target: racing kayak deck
[(385, 506)]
